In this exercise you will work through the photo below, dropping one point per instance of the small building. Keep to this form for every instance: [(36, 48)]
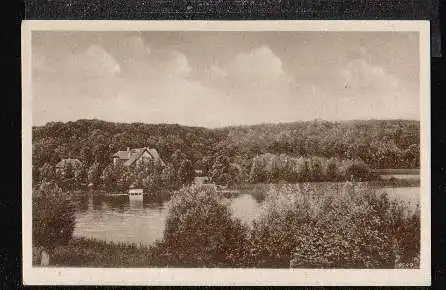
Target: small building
[(198, 180), (136, 193), (131, 157), (64, 165)]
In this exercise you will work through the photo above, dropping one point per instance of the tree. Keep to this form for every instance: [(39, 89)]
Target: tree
[(122, 178), (332, 170), (206, 164), (47, 172), (101, 152), (303, 169), (68, 171), (358, 171), (168, 178), (186, 172), (316, 169), (94, 174), (86, 155), (80, 174), (220, 170), (108, 177), (52, 217), (218, 240)]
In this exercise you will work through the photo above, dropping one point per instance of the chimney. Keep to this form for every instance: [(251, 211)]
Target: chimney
[(128, 149)]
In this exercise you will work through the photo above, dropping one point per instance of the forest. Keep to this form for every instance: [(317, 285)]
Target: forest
[(298, 151)]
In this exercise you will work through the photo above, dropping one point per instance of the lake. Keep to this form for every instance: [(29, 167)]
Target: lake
[(142, 222)]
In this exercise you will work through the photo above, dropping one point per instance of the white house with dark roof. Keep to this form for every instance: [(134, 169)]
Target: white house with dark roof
[(137, 156)]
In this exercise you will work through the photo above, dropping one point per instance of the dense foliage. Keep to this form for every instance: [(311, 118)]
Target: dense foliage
[(225, 154), (200, 231), (272, 168), (349, 226), (379, 143), (52, 217)]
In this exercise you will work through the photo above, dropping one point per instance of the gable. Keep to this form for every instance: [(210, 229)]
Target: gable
[(132, 155), (135, 155)]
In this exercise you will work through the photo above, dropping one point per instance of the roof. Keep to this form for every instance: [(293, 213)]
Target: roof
[(122, 155), (132, 155), (156, 156), (76, 163)]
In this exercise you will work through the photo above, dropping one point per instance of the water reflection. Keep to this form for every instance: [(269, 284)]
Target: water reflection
[(117, 219)]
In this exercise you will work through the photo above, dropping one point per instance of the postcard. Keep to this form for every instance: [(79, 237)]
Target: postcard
[(226, 153)]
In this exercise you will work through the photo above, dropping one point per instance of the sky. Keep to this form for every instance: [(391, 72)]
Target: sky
[(215, 79)]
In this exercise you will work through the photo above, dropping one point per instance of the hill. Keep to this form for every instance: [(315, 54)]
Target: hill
[(380, 143)]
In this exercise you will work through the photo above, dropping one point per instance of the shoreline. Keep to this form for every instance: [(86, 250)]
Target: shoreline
[(90, 252)]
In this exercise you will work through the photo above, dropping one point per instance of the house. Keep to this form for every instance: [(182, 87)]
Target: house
[(63, 165), (198, 180), (137, 156), (198, 172)]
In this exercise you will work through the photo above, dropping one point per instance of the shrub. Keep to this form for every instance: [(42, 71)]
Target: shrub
[(354, 228), (200, 232), (331, 169), (357, 171), (272, 168), (53, 217)]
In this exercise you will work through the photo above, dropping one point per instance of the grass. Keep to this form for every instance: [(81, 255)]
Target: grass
[(397, 182), (85, 252), (397, 171)]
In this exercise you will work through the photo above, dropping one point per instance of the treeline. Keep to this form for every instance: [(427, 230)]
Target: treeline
[(272, 168), (226, 152), (151, 176), (379, 143)]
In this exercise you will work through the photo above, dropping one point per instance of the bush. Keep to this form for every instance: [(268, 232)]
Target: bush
[(53, 217), (355, 228), (357, 171), (272, 168), (200, 232), (300, 226)]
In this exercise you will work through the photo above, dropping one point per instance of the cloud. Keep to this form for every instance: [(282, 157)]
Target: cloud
[(260, 63), (361, 89), (127, 80), (175, 66), (255, 78), (359, 74), (134, 46), (257, 68), (94, 62), (144, 85)]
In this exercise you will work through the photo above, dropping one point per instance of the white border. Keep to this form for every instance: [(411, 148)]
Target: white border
[(284, 277)]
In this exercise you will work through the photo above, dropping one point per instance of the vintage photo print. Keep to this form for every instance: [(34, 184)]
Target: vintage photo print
[(226, 153)]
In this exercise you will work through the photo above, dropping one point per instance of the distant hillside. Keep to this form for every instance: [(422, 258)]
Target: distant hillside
[(380, 143)]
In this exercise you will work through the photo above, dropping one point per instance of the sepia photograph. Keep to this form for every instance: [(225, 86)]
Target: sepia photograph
[(244, 152)]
